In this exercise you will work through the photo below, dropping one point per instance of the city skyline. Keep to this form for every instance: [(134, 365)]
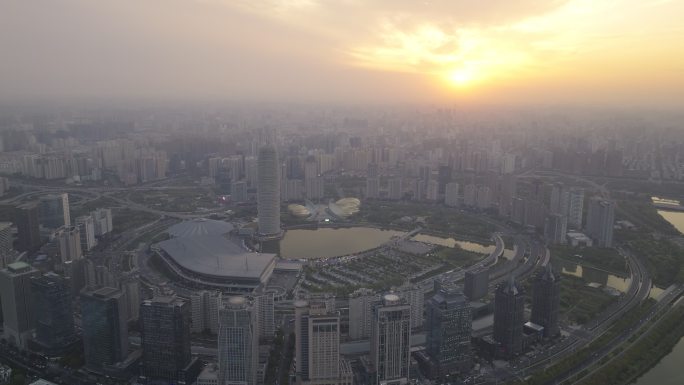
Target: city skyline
[(348, 192)]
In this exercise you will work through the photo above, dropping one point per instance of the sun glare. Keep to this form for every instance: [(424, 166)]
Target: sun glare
[(461, 77)]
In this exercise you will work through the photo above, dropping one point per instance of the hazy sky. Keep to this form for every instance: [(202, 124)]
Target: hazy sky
[(494, 51)]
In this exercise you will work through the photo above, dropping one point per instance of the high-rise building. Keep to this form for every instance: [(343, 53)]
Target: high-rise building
[(395, 189), (509, 317), (415, 297), (205, 311), (555, 229), (419, 190), (291, 190), (518, 210), (238, 343), (17, 303), (372, 188), (251, 171), (268, 192), (86, 229), (546, 301), (54, 211), (28, 226), (234, 164), (317, 346), (105, 331), (443, 177), (165, 339), (264, 302), (432, 192), (600, 221), (360, 313), (451, 194), (103, 221), (508, 164), (97, 276), (470, 195), (213, 165), (535, 213), (476, 284), (373, 170), (75, 272), (314, 188), (449, 329), (4, 182), (325, 298), (508, 190), (69, 243), (5, 242), (53, 314), (575, 208), (484, 198), (390, 342), (130, 286), (238, 191)]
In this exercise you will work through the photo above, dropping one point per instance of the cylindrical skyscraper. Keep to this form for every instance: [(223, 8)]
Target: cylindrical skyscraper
[(268, 192)]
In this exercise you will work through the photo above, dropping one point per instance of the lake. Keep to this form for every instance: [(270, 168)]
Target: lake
[(676, 218), (591, 275), (329, 242), (465, 245)]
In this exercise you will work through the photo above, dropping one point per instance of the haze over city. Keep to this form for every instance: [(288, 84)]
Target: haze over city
[(519, 52), (341, 192)]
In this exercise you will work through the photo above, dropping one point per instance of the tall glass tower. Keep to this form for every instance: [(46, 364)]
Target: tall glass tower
[(390, 342), (268, 192), (509, 313), (238, 342)]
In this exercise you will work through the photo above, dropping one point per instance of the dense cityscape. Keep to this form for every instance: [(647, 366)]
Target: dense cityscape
[(348, 192), (329, 252)]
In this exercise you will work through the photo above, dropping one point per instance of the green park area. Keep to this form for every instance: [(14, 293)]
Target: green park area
[(663, 258), (645, 351), (642, 213), (599, 258), (580, 302), (652, 242), (437, 218), (553, 372), (175, 200), (84, 208), (127, 219)]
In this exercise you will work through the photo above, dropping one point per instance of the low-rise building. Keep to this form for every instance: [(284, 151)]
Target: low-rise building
[(576, 239)]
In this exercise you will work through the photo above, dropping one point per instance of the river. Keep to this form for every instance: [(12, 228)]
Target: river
[(668, 371)]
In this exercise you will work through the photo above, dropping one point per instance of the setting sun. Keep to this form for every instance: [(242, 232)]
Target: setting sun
[(461, 77)]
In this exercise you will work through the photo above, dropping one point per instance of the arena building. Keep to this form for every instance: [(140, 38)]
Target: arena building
[(203, 254)]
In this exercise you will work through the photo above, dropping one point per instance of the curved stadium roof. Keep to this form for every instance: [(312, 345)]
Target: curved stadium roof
[(299, 210), (200, 226), (216, 256), (345, 207)]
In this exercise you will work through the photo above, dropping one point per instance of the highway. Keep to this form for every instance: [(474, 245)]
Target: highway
[(600, 359), (458, 275), (529, 255), (639, 289)]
